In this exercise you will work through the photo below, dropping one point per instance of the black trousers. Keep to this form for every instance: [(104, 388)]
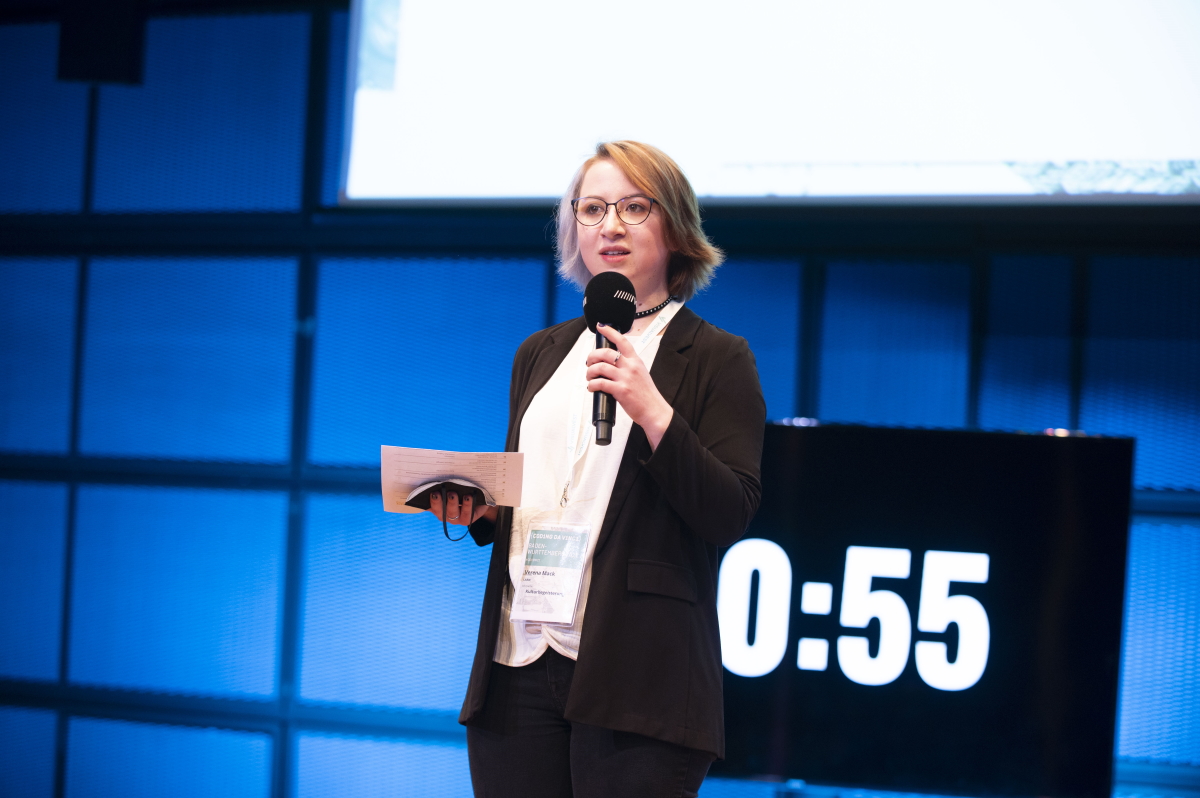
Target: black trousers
[(523, 746)]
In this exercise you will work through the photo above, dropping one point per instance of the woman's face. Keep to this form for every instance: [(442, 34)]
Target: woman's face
[(638, 251)]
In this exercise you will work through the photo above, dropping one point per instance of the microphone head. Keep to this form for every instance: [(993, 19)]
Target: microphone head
[(609, 298)]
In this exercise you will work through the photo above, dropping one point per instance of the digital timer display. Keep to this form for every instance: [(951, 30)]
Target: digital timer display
[(928, 611)]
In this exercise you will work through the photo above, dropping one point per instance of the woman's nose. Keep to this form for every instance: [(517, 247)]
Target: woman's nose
[(611, 224)]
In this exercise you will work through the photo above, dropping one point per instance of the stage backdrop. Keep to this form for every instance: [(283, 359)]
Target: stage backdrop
[(200, 355)]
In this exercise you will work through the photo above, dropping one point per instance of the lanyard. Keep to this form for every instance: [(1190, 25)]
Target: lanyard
[(577, 441)]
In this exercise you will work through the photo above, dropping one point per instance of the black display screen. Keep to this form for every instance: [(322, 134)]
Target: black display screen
[(928, 611)]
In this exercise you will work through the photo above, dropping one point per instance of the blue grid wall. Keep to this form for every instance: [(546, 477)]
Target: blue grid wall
[(895, 344), (189, 358), (1142, 364), (37, 326), (43, 125), (177, 590), (1160, 673), (33, 519), (386, 330), (391, 608), (218, 124), (568, 300), (1025, 382), (27, 739), (760, 300), (142, 760), (332, 766)]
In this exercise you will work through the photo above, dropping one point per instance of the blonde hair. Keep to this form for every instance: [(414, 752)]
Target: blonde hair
[(693, 258)]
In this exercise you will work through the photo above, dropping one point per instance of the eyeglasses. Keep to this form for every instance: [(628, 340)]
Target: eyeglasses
[(590, 211)]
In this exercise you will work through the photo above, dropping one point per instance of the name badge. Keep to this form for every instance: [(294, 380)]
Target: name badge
[(555, 555)]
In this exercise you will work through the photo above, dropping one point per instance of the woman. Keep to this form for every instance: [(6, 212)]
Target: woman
[(625, 698)]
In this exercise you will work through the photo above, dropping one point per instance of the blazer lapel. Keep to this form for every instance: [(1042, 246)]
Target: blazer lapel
[(669, 364)]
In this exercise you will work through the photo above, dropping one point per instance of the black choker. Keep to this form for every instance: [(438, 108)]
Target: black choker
[(644, 313)]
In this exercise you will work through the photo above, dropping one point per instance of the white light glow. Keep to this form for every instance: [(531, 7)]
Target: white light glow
[(812, 654), (816, 598), (774, 602), (860, 604), (939, 609), (467, 99)]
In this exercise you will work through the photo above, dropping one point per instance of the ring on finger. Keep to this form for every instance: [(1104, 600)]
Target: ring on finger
[(618, 360)]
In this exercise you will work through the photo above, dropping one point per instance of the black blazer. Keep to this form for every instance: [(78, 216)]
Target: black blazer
[(650, 650)]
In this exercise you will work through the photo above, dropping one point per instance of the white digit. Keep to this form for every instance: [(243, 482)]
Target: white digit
[(774, 606), (860, 604), (939, 609)]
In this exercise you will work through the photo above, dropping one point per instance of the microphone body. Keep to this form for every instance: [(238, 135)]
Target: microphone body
[(604, 407), (608, 299)]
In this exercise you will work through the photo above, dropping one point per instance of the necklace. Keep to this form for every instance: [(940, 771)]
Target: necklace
[(644, 313)]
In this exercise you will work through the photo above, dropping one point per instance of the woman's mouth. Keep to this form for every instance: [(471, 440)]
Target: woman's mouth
[(613, 254)]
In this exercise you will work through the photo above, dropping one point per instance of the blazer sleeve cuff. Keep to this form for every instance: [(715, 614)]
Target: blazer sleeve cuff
[(677, 434)]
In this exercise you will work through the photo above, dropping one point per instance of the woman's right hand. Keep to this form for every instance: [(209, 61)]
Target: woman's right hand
[(462, 512)]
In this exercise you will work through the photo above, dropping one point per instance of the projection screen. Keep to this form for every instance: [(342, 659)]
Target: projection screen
[(466, 101)]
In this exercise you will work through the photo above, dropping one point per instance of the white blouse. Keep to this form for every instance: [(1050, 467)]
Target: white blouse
[(562, 458)]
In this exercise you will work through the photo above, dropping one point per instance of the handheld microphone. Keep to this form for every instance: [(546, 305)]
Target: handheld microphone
[(608, 298)]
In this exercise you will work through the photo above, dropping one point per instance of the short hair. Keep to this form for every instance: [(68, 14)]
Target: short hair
[(693, 257)]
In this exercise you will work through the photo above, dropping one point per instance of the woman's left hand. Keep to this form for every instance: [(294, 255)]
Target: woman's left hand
[(623, 375)]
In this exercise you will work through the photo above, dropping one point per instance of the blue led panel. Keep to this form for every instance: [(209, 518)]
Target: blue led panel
[(37, 328), (141, 760), (895, 344), (33, 518), (1142, 364), (391, 608), (386, 332), (335, 106), (177, 590), (760, 301), (736, 788), (218, 123), (361, 767), (189, 358), (43, 125), (27, 752), (1160, 675), (568, 300), (1025, 381)]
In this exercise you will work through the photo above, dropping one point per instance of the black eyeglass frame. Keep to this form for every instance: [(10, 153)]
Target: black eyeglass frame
[(613, 205)]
